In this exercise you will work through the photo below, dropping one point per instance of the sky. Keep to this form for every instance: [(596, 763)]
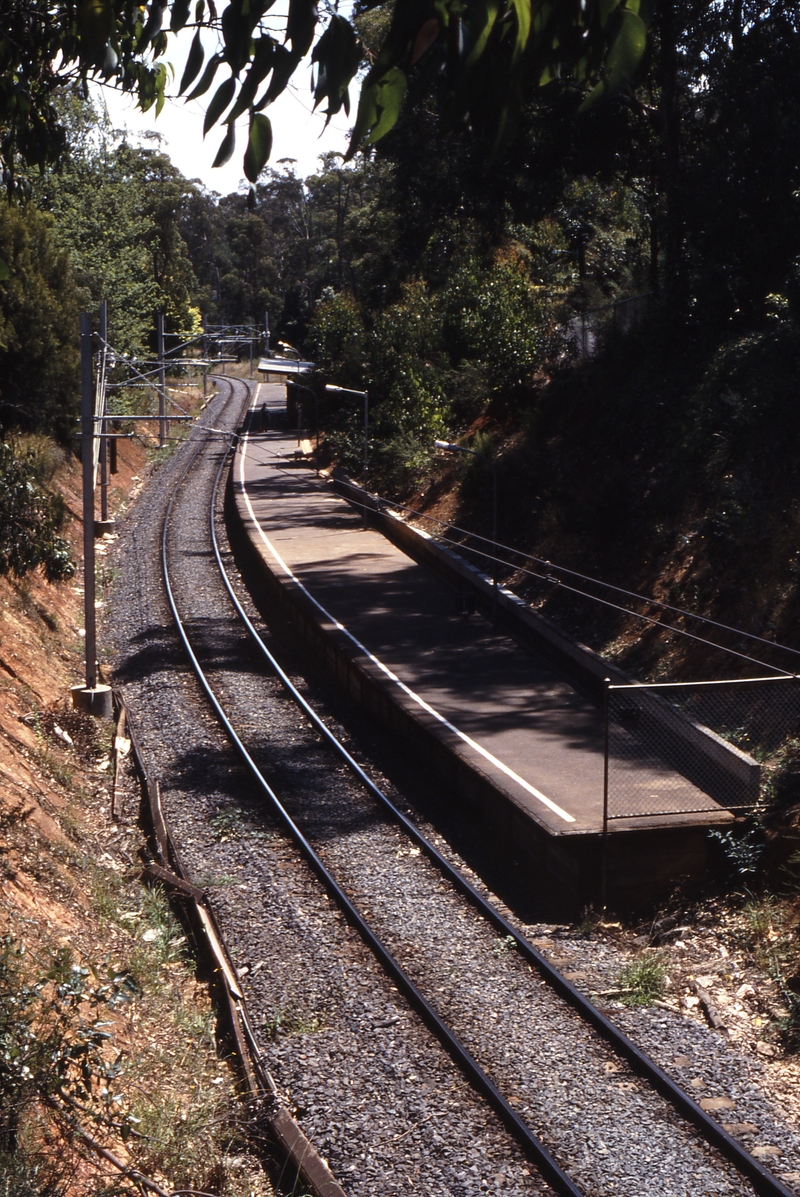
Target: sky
[(298, 132)]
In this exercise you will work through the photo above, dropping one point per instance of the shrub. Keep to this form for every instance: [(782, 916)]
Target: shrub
[(30, 520)]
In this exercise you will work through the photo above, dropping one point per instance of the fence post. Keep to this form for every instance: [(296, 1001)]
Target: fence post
[(604, 848)]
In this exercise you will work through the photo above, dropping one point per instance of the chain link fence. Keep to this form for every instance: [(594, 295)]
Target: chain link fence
[(686, 748)]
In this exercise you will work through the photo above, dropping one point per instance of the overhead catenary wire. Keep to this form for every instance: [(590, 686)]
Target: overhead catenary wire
[(642, 598), (381, 503)]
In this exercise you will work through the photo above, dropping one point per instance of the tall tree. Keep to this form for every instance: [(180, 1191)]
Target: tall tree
[(117, 211), (494, 55), (38, 327)]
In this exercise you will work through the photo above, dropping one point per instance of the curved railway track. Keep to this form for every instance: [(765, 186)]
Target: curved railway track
[(524, 1036)]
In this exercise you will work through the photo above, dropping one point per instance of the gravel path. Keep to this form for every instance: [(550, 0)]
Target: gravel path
[(377, 1097)]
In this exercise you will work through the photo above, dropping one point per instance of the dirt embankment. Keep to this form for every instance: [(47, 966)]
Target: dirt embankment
[(110, 1035)]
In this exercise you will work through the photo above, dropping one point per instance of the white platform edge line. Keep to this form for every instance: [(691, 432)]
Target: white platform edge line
[(417, 698)]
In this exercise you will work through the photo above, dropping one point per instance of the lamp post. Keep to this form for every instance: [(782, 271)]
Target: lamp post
[(332, 390), (298, 386), (452, 447)]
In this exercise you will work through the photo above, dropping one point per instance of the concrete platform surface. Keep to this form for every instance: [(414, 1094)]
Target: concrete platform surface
[(503, 709)]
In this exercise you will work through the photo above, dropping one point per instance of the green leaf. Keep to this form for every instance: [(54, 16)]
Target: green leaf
[(219, 102), (226, 149), (179, 15), (259, 67), (285, 63), (161, 84), (389, 94), (300, 25), (259, 147), (491, 11), (5, 273), (338, 54), (95, 23), (194, 62), (623, 58), (522, 8), (207, 79), (152, 27)]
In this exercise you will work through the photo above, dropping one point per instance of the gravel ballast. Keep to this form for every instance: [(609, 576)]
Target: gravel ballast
[(371, 1088)]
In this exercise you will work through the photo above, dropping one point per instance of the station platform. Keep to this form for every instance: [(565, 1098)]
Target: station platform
[(519, 743)]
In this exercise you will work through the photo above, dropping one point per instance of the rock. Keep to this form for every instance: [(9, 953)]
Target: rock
[(709, 1104), (765, 1151), (766, 1049), (740, 1128)]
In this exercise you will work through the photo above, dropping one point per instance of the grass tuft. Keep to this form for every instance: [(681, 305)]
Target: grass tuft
[(643, 981)]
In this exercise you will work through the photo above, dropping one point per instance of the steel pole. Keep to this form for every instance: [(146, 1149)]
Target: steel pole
[(87, 460), (366, 434), (162, 381), (103, 422), (494, 543), (604, 849)]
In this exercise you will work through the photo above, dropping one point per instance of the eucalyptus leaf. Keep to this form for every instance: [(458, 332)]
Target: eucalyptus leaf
[(225, 151), (259, 146), (207, 78), (194, 62), (219, 102)]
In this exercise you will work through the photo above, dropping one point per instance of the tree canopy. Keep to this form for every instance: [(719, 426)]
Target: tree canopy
[(491, 53)]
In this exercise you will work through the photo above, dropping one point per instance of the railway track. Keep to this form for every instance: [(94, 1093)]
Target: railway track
[(584, 1105)]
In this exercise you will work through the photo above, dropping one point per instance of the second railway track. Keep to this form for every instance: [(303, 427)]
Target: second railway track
[(372, 1088)]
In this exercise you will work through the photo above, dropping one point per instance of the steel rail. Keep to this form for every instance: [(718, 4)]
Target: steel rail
[(533, 1147), (764, 1181)]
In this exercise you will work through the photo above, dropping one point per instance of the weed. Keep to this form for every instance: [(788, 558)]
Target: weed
[(182, 1133), (504, 944), (643, 981), (107, 892), (589, 922), (291, 1021), (58, 769), (216, 880), (225, 824), (742, 852), (761, 931), (158, 938)]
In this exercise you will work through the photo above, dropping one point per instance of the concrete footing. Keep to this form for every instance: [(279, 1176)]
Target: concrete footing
[(102, 527), (98, 702)]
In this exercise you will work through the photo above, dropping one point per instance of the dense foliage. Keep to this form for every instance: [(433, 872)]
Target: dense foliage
[(116, 212), (495, 54), (38, 326), (30, 520)]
